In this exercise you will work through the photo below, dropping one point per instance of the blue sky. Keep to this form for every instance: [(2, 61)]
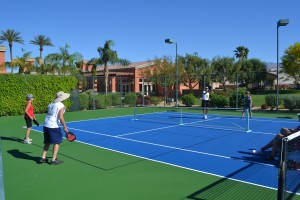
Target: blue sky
[(139, 27)]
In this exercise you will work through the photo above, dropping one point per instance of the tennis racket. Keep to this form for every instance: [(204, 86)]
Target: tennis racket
[(70, 136)]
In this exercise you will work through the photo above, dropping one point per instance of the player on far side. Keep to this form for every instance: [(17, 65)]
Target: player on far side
[(205, 102), (247, 104)]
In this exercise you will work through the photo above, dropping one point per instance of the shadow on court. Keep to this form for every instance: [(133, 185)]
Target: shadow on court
[(13, 139), (248, 156), (23, 155)]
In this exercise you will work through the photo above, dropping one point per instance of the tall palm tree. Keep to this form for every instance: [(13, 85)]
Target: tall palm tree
[(107, 55), (241, 52), (41, 40), (11, 36)]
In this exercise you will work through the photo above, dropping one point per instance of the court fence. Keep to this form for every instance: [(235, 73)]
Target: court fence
[(94, 92)]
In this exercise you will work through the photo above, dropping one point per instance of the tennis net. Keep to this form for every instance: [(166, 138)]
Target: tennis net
[(224, 119), (289, 175)]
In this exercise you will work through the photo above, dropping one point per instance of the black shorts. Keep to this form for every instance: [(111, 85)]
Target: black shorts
[(52, 135), (205, 103), (28, 122)]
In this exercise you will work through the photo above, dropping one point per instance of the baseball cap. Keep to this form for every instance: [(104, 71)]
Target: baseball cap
[(29, 96)]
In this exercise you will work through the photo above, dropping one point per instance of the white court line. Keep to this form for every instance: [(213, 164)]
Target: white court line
[(169, 147), (158, 128), (149, 130), (179, 166), (170, 164), (154, 144)]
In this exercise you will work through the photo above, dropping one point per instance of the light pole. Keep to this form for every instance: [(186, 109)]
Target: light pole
[(169, 41), (281, 22)]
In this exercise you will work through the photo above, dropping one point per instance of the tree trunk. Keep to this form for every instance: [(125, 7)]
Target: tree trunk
[(11, 57)]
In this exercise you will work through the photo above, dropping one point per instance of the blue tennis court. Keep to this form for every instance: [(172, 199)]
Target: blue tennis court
[(219, 146)]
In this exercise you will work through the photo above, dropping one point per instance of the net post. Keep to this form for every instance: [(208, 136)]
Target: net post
[(248, 121), (281, 171), (180, 117), (134, 113)]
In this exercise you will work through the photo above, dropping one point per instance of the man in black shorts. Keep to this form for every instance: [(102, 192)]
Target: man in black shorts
[(205, 102)]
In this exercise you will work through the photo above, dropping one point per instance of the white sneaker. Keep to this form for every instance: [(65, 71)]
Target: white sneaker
[(27, 141), (257, 152), (205, 116), (30, 139)]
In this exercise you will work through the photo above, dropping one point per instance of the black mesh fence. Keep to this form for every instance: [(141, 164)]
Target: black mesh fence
[(95, 92)]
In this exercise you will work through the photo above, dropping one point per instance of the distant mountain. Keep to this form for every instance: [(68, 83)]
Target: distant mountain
[(271, 65), (283, 77)]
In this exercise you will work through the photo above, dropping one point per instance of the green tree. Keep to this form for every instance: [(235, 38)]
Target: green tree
[(62, 62), (11, 36), (259, 70), (252, 71), (41, 41), (163, 72), (291, 61), (192, 67), (241, 53), (224, 68), (23, 63), (107, 55)]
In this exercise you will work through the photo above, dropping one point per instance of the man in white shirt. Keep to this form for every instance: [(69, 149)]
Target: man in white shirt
[(205, 102)]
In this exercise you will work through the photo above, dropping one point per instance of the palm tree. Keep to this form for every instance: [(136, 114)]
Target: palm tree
[(107, 55), (41, 41), (62, 62), (11, 36), (241, 52), (24, 64)]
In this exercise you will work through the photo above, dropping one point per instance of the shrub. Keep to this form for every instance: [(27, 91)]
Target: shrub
[(291, 102), (108, 100), (264, 106), (100, 101), (241, 96), (130, 99), (92, 99), (155, 100), (116, 99), (188, 99), (271, 100), (219, 101), (146, 100), (84, 101)]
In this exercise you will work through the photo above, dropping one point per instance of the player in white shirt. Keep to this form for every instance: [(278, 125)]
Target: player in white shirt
[(205, 102)]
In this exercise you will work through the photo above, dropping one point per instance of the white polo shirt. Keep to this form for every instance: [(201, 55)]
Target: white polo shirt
[(205, 95), (52, 118)]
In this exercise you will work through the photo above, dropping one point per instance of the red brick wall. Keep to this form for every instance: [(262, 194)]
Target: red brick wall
[(2, 60)]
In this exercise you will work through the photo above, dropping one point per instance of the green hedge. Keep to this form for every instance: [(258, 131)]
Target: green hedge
[(14, 89), (90, 100), (291, 102), (219, 101), (188, 99), (130, 99)]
